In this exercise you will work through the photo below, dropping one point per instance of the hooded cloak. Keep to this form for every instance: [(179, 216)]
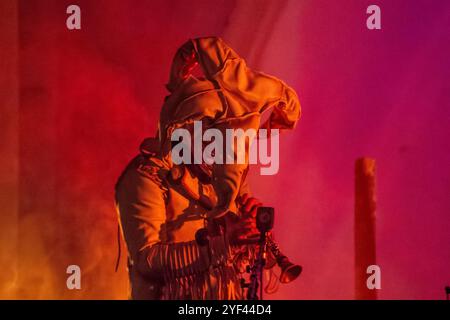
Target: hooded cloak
[(230, 96)]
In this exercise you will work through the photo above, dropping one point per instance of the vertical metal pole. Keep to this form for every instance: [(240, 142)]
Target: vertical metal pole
[(365, 206)]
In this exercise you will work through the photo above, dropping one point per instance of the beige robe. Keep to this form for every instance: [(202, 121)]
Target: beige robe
[(159, 219)]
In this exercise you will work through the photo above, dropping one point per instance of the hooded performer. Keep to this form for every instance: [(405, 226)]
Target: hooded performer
[(163, 205)]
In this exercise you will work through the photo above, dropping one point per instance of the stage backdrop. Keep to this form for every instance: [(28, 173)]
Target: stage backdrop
[(75, 104)]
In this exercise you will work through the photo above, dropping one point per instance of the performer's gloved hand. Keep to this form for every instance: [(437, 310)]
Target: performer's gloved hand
[(241, 229), (249, 206)]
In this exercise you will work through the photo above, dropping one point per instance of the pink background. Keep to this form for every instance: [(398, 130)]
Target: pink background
[(78, 103)]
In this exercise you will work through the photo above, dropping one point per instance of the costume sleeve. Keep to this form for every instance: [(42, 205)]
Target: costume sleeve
[(141, 206), (228, 178), (245, 186)]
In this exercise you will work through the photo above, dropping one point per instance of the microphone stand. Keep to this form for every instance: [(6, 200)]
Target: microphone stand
[(256, 271)]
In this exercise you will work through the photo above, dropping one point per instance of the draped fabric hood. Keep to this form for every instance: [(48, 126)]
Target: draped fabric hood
[(229, 96)]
